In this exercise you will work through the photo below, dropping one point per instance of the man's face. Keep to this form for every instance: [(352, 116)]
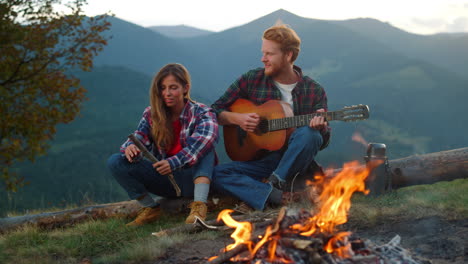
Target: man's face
[(273, 58)]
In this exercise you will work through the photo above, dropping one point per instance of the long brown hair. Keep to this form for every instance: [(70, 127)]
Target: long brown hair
[(161, 128)]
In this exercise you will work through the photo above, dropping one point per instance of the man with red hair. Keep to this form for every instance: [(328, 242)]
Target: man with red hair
[(261, 182)]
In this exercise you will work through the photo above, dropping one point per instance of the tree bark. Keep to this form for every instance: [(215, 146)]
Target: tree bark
[(429, 168), (69, 217)]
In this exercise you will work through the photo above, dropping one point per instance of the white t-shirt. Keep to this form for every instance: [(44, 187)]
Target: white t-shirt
[(286, 90)]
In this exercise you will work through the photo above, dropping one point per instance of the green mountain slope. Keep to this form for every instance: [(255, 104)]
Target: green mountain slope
[(416, 106), (446, 50), (180, 31)]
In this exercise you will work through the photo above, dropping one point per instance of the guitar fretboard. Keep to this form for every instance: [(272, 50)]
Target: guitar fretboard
[(297, 121)]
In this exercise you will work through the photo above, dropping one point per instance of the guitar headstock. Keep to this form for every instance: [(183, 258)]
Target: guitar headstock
[(353, 113)]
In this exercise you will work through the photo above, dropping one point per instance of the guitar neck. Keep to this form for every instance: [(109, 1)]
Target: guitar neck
[(297, 121)]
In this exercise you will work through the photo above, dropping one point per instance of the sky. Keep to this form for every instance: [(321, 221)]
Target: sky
[(415, 16)]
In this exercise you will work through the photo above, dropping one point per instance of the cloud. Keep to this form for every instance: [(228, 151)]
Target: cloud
[(460, 24), (428, 22), (439, 24)]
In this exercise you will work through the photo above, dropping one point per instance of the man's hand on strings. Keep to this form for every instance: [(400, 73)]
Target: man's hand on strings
[(318, 122)]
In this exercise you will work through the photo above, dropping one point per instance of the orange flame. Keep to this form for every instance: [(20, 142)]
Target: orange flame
[(344, 251), (243, 229), (332, 210), (335, 199)]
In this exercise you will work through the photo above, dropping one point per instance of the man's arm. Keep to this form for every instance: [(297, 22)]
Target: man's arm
[(247, 121)]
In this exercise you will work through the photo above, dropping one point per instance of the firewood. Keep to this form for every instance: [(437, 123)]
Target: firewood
[(228, 254)]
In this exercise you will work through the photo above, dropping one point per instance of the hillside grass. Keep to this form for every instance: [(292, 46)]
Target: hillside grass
[(110, 241)]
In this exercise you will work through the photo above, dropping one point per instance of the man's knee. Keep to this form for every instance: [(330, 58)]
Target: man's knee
[(311, 137)]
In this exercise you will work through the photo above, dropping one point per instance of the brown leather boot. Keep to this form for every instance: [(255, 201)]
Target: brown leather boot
[(146, 215), (198, 209)]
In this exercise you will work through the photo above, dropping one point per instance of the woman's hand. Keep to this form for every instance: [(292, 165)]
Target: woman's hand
[(131, 152), (162, 167)]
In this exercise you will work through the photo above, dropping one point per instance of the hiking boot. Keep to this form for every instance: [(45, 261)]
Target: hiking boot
[(196, 209), (146, 215), (277, 183), (243, 208), (295, 197)]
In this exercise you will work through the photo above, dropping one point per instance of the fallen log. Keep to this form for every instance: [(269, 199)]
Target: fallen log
[(51, 220), (412, 170), (126, 209), (425, 168), (429, 168)]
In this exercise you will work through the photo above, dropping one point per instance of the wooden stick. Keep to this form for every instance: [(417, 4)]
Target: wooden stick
[(228, 254), (153, 159), (193, 228)]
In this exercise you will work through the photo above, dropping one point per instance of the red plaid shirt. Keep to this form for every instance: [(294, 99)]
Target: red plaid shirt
[(198, 135)]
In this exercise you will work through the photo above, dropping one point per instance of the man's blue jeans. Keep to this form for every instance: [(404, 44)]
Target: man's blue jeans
[(140, 178), (243, 179)]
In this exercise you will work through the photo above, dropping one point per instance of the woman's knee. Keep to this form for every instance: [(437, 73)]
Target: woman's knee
[(115, 162), (205, 166)]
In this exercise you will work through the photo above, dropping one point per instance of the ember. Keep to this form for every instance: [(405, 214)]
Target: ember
[(310, 236)]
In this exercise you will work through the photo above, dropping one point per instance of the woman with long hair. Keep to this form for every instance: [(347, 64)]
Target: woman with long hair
[(182, 134)]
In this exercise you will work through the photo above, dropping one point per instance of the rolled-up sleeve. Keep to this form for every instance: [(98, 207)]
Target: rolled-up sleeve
[(142, 132)]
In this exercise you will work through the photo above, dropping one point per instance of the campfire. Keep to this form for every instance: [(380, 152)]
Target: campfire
[(312, 236)]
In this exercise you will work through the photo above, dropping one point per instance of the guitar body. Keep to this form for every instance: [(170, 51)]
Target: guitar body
[(244, 146), (277, 122)]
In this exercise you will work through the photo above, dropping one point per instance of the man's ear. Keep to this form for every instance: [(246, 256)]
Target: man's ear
[(289, 55)]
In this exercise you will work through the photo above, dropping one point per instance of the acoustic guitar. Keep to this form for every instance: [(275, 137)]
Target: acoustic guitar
[(277, 122)]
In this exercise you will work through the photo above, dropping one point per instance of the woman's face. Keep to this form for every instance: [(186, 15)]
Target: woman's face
[(173, 92)]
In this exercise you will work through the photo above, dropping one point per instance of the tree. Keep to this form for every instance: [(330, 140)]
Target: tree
[(39, 47)]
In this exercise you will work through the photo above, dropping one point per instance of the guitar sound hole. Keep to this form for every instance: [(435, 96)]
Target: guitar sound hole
[(262, 126)]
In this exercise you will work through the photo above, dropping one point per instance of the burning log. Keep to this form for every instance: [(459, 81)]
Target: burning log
[(303, 236), (287, 245)]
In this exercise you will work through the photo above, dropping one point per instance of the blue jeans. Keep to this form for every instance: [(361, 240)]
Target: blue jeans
[(140, 178), (243, 179)]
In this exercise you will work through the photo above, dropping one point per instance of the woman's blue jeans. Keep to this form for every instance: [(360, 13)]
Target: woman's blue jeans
[(140, 178), (243, 179)]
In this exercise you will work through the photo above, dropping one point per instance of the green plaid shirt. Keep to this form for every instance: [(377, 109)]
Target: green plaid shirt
[(308, 95)]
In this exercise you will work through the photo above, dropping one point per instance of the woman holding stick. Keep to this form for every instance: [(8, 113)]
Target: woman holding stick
[(182, 134)]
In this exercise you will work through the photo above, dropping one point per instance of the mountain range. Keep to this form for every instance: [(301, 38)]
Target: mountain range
[(415, 86), (180, 31)]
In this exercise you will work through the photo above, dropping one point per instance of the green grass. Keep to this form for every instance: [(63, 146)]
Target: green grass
[(445, 199), (110, 241)]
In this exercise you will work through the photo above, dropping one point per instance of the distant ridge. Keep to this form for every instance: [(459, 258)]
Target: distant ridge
[(180, 31), (415, 86)]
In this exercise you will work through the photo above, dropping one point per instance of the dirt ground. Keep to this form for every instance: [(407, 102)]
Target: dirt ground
[(429, 240)]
